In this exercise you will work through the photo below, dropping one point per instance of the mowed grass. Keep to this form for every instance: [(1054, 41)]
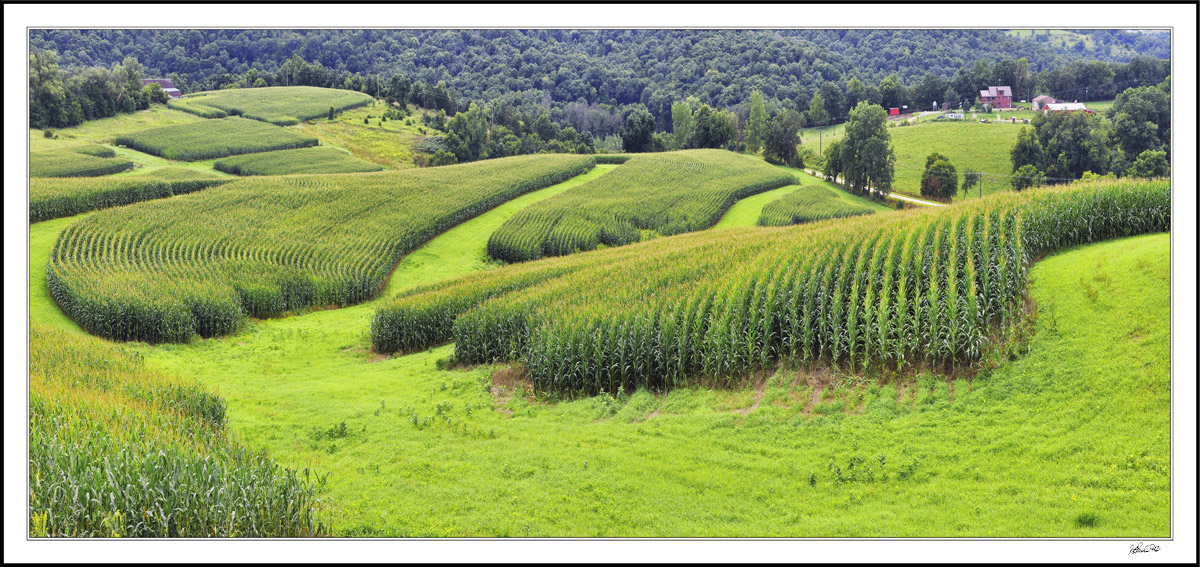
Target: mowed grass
[(969, 145), (282, 106), (302, 160), (1027, 450), (385, 143), (215, 138)]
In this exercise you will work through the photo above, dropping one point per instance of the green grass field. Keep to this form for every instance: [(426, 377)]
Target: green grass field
[(282, 106), (969, 145), (287, 162), (385, 143)]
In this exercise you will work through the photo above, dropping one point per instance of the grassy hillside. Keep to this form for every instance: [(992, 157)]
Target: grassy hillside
[(259, 247), (389, 143), (969, 145), (1020, 450)]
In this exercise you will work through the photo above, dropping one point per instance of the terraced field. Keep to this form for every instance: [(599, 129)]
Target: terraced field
[(209, 139), (282, 106), (259, 247), (287, 162), (651, 194)]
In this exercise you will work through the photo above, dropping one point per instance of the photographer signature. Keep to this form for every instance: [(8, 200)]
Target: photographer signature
[(1139, 549)]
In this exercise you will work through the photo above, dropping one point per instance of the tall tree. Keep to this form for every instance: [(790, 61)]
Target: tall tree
[(782, 138), (817, 115), (681, 123), (1026, 150), (866, 150), (638, 130), (756, 124)]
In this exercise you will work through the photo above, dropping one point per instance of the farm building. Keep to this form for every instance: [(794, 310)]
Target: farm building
[(1066, 107), (1040, 102), (998, 97), (166, 85)]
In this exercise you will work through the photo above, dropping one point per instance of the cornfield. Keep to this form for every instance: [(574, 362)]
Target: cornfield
[(282, 106), (85, 161), (807, 204), (923, 286), (209, 139), (120, 450), (164, 271), (302, 160), (667, 194), (52, 198)]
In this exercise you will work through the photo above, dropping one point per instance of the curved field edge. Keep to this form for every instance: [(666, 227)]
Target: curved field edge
[(157, 296), (1049, 445), (741, 468), (914, 290)]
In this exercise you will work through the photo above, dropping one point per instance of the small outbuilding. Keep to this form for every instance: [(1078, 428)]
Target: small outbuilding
[(167, 86), (1040, 102), (1066, 108)]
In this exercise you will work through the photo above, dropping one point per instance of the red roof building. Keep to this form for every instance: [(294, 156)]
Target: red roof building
[(998, 97), (1040, 102), (166, 85)]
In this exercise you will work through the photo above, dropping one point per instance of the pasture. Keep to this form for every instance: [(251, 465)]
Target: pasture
[(214, 139), (969, 145), (388, 143), (282, 106), (303, 160), (87, 160), (260, 247), (651, 194)]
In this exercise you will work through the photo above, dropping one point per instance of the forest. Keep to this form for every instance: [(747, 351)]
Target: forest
[(587, 79)]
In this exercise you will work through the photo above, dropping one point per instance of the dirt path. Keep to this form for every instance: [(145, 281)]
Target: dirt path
[(898, 197)]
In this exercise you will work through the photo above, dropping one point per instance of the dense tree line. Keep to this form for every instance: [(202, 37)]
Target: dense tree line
[(59, 99), (589, 79), (1062, 147)]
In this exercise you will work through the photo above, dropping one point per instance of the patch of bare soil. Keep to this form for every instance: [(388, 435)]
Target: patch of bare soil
[(761, 388)]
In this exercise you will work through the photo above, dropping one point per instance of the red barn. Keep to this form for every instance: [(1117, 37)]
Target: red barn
[(893, 112), (998, 97)]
